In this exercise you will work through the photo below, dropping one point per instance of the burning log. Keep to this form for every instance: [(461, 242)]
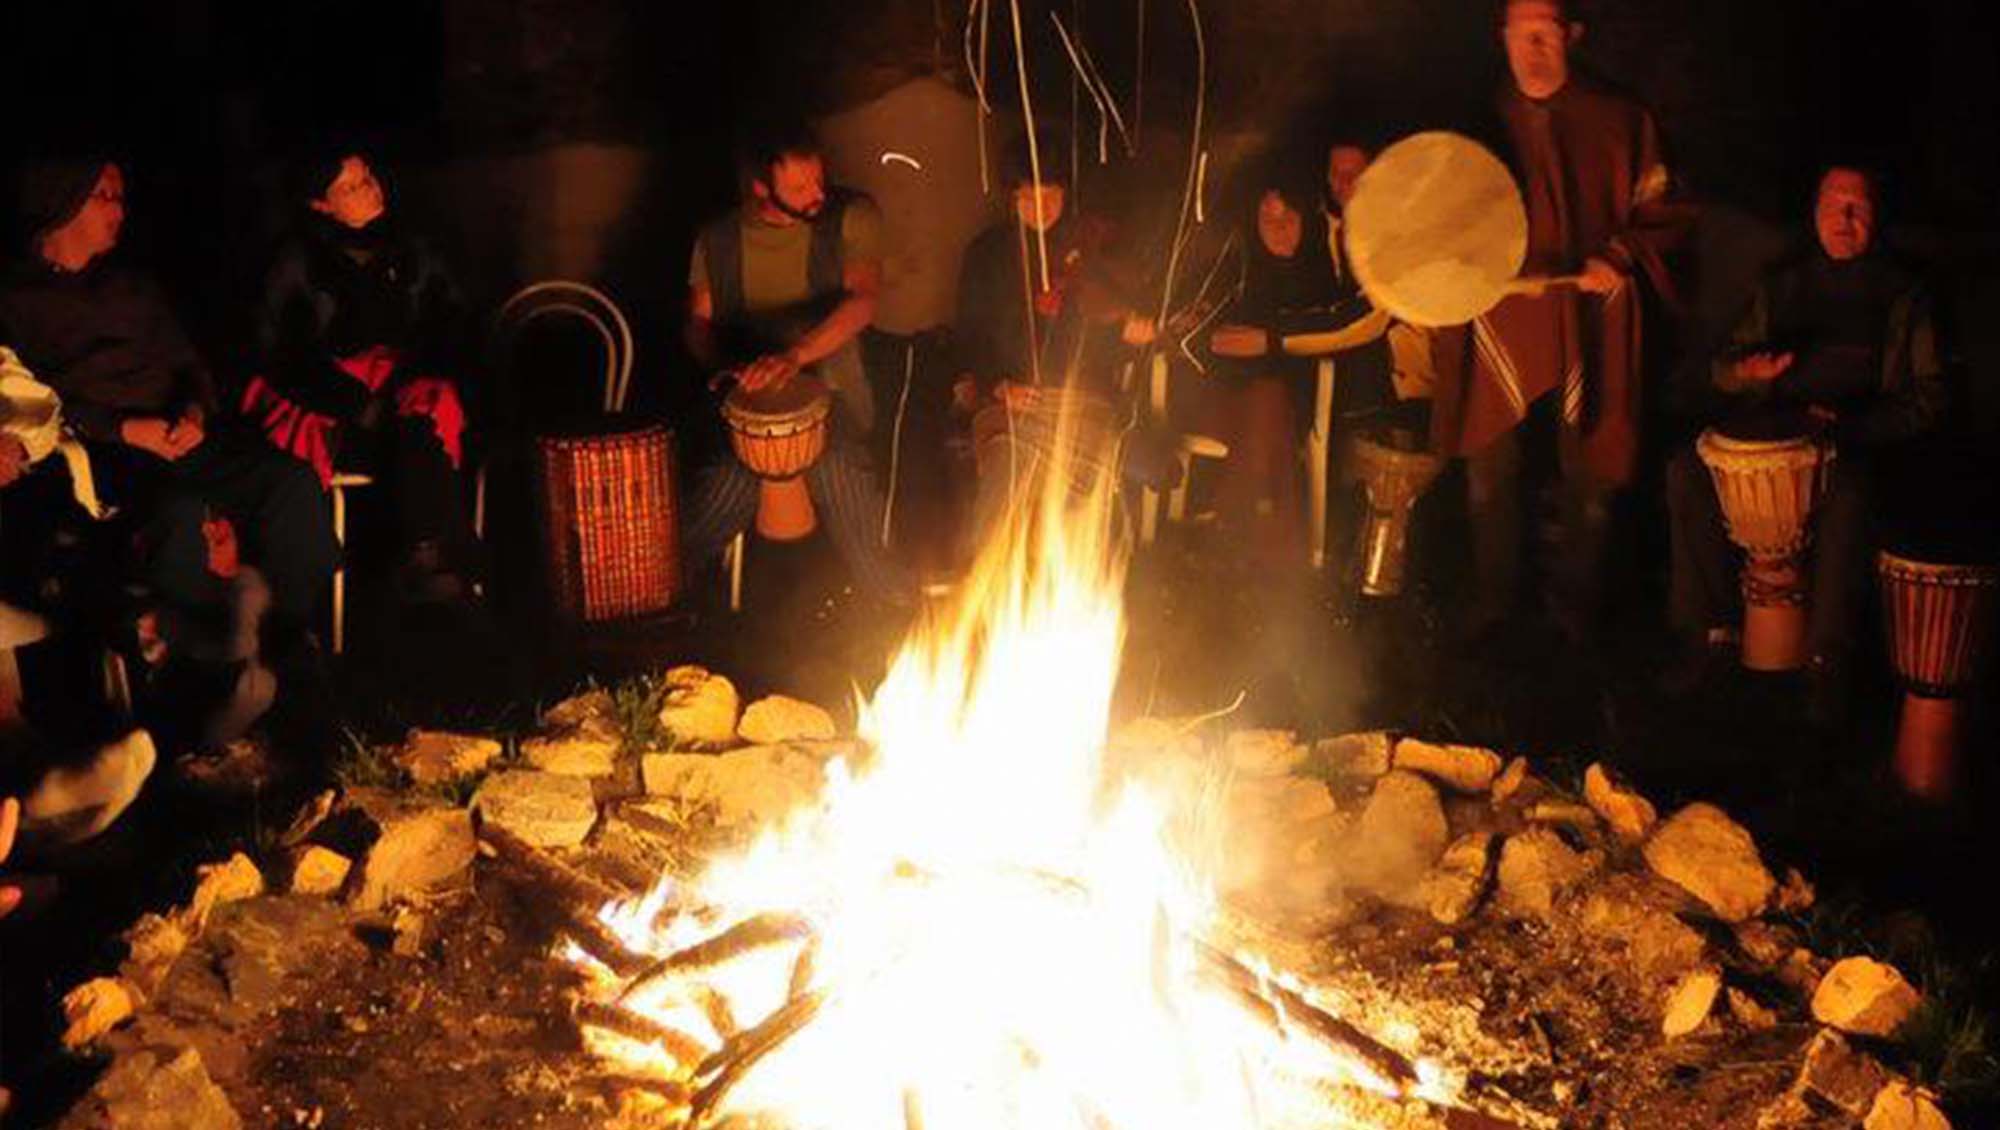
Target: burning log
[(727, 1067), (721, 1016), (1280, 1005), (753, 933), (684, 1048), (579, 896), (803, 967)]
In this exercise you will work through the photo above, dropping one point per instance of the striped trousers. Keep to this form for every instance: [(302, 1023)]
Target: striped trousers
[(843, 493)]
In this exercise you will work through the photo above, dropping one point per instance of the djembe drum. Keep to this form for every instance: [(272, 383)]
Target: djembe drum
[(1939, 617), (1392, 478), (1768, 488), (779, 433), (607, 505)]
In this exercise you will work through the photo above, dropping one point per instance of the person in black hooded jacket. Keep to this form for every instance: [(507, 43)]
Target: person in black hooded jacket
[(360, 331)]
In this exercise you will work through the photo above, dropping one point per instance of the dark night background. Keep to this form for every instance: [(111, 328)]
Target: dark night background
[(589, 135), (586, 138)]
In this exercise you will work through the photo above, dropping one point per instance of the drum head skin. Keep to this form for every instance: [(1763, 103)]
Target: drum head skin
[(1436, 230), (804, 397)]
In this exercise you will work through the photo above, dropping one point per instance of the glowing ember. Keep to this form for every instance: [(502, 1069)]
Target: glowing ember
[(975, 928)]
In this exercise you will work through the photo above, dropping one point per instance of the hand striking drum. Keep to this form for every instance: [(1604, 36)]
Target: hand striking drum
[(779, 433)]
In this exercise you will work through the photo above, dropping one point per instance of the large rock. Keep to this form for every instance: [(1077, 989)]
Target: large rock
[(1453, 888), (1468, 769), (1900, 1106), (154, 1089), (1689, 1002), (1864, 997), (1355, 757), (548, 810), (1705, 853), (1401, 833), (1283, 837), (1264, 753), (1630, 815), (579, 709), (741, 788), (94, 1008), (317, 870), (435, 757), (409, 846), (778, 718), (233, 880), (1837, 1074), (1535, 867), (1634, 911), (699, 709), (589, 748)]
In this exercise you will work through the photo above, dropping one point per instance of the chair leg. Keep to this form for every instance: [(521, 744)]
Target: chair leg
[(1177, 498), (732, 560), (340, 571)]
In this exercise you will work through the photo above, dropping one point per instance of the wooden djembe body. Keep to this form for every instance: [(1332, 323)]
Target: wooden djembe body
[(1768, 489), (779, 434), (608, 506), (1939, 619)]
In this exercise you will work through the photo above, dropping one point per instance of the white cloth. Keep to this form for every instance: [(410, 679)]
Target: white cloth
[(31, 412)]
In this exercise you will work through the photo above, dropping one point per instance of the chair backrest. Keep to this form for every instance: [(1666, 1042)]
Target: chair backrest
[(593, 306)]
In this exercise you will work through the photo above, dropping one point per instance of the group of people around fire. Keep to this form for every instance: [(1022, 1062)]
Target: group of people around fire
[(192, 531)]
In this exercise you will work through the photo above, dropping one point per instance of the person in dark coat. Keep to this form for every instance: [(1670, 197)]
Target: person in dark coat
[(103, 336), (1841, 340), (360, 335)]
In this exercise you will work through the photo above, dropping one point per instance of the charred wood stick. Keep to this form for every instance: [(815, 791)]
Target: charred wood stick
[(685, 1049), (803, 967), (753, 933), (1273, 1001), (547, 871), (738, 1056), (716, 1007), (597, 940)]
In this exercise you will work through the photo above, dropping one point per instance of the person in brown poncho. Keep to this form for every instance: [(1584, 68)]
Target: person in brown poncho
[(1564, 363)]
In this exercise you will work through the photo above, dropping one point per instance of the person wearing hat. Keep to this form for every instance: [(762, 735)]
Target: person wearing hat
[(104, 338), (359, 333)]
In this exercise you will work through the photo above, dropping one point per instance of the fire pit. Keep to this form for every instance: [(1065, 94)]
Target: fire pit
[(990, 908)]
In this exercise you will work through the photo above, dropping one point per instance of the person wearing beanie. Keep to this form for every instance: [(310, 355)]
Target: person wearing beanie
[(132, 385), (360, 332)]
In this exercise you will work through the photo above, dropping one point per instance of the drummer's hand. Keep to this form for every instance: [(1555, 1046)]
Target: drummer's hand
[(1017, 396), (1138, 330), (769, 371), (1239, 341), (1600, 277), (1762, 367)]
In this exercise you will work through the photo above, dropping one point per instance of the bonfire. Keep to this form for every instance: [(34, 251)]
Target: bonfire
[(981, 922)]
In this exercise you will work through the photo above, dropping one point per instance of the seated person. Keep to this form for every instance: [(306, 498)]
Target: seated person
[(102, 336), (213, 685), (1035, 343), (359, 333), (780, 285), (1841, 336)]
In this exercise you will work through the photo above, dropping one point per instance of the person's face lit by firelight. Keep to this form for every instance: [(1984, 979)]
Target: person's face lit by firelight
[(1344, 166), (353, 198), (93, 231), (1844, 214), (1538, 37), (793, 189), (1040, 207), (1279, 226)]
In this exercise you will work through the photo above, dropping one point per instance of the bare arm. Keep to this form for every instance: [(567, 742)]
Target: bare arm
[(699, 333)]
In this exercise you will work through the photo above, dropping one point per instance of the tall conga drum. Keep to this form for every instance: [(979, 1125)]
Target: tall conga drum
[(779, 433), (1768, 488), (1939, 619), (1392, 478), (607, 505)]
